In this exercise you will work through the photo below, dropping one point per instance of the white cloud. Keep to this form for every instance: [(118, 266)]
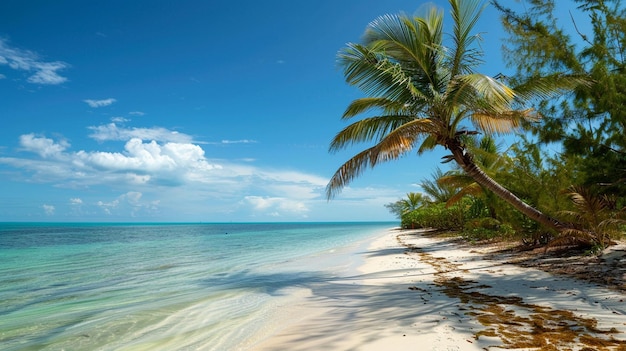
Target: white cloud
[(171, 160), (48, 209), (161, 173), (136, 113), (243, 141), (107, 207), (130, 204), (99, 103), (276, 206), (43, 146), (42, 72), (112, 132), (46, 73), (119, 119), (138, 163), (133, 178)]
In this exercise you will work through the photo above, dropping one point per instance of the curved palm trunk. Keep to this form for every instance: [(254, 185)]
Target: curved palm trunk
[(465, 161)]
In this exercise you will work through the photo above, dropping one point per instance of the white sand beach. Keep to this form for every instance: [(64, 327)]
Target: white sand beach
[(417, 292)]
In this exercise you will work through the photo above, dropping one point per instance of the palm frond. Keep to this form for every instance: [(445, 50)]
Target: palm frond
[(351, 169), (375, 74), (612, 225), (432, 188), (589, 208), (412, 42), (572, 237), (402, 139), (387, 106), (479, 91), (392, 146), (455, 179), (429, 143), (503, 122), (471, 190), (465, 14), (596, 218), (368, 129), (394, 34)]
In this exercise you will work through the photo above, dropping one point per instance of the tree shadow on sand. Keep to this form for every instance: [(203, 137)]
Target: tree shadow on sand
[(435, 297)]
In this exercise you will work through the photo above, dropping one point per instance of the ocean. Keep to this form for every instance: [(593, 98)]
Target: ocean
[(163, 286)]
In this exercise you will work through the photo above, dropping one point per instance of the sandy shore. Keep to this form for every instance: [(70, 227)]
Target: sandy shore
[(416, 292)]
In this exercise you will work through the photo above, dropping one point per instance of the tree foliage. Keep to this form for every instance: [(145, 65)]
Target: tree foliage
[(424, 91), (412, 202), (581, 182), (598, 220), (591, 124)]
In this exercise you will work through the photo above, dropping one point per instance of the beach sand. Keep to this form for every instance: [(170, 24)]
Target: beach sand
[(419, 292)]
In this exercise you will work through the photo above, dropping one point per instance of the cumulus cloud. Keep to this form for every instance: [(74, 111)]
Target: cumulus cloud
[(147, 157), (159, 172), (163, 163), (42, 72), (99, 103), (43, 146)]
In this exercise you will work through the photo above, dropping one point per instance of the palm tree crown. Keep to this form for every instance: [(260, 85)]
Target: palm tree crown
[(425, 92)]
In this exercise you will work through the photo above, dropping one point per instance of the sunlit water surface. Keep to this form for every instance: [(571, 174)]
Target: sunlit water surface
[(160, 287)]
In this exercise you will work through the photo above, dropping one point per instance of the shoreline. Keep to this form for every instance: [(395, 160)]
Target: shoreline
[(414, 289)]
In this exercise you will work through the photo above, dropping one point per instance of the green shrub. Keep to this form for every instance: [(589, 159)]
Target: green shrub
[(436, 216), (486, 228)]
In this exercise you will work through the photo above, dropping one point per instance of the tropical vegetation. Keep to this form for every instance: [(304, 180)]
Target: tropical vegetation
[(423, 90)]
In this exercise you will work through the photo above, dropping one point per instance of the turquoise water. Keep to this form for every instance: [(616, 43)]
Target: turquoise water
[(160, 287)]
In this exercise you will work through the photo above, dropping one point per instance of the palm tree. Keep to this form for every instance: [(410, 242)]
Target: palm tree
[(437, 191), (427, 94), (413, 201), (489, 158)]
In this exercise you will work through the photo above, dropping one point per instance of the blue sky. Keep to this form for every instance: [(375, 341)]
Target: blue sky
[(188, 110)]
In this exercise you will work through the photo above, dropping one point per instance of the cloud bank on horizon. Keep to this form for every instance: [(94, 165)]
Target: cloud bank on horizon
[(158, 161), (158, 171)]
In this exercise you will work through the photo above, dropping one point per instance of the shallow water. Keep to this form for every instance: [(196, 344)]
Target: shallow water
[(160, 287)]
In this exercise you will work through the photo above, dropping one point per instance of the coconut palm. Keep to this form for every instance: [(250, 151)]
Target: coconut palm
[(413, 201), (426, 94), (489, 158)]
